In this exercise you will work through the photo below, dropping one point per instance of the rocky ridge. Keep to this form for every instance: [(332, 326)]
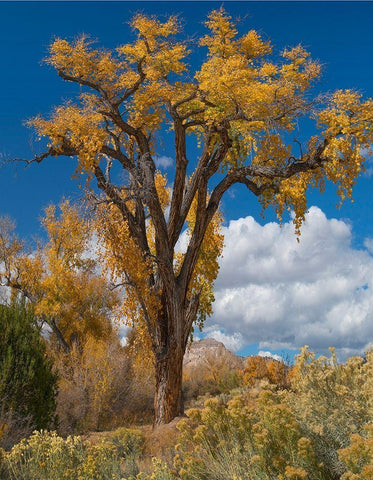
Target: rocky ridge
[(202, 351)]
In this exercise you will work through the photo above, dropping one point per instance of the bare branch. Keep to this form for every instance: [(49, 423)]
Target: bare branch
[(81, 81)]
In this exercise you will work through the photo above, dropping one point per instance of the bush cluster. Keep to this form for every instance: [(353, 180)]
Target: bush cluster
[(47, 456), (320, 428)]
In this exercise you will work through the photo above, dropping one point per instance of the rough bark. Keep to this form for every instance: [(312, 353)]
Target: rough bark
[(168, 400), (169, 348)]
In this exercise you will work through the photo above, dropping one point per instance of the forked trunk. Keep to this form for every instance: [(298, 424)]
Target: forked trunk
[(168, 401)]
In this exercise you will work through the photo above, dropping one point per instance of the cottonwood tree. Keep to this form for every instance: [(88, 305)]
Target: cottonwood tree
[(242, 104), (59, 278)]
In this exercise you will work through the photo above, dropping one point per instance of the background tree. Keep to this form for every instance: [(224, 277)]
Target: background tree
[(60, 277), (94, 385), (27, 383), (260, 368), (242, 105)]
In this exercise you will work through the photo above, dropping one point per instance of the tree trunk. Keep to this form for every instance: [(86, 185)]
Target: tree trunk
[(60, 338), (168, 401)]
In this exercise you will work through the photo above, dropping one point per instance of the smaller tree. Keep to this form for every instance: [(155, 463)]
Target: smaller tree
[(59, 277), (27, 382), (93, 385)]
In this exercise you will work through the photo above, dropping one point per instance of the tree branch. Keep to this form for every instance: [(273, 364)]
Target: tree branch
[(130, 91), (179, 183)]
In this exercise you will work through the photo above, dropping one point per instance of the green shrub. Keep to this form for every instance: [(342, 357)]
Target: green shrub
[(161, 471), (128, 441), (129, 445), (27, 383)]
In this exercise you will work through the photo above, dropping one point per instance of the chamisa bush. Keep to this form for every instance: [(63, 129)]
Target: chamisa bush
[(27, 383), (321, 428), (251, 435), (47, 456), (333, 405)]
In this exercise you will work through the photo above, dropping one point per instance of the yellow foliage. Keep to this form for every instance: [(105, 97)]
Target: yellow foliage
[(59, 277), (237, 86), (261, 368), (126, 264), (94, 381), (78, 129)]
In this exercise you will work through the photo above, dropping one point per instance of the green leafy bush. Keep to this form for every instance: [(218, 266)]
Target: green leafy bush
[(129, 444), (27, 383)]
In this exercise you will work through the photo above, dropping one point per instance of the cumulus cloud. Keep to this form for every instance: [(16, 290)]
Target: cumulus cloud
[(233, 342), (163, 161), (279, 293), (368, 244), (267, 354)]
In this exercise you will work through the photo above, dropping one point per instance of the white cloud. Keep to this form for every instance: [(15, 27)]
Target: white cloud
[(368, 244), (279, 293), (262, 353), (232, 342), (163, 162)]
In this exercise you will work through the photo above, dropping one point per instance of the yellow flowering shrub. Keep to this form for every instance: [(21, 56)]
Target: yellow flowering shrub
[(331, 402), (160, 471), (252, 435), (358, 456), (47, 456), (321, 428)]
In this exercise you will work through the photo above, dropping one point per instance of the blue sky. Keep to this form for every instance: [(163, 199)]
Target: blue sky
[(336, 33)]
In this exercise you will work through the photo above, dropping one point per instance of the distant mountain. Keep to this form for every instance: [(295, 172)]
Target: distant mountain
[(203, 351)]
